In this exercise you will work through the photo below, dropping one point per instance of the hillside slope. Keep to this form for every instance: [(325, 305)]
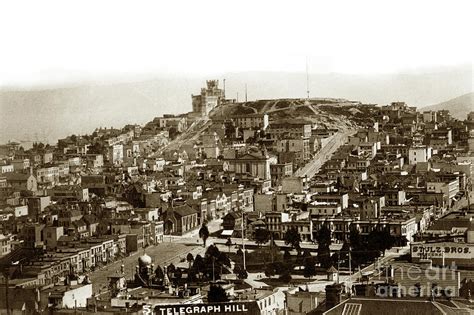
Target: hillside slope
[(459, 107), (326, 112)]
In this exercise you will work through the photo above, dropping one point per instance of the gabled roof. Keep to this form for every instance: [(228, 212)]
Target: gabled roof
[(234, 214), (331, 270), (183, 210)]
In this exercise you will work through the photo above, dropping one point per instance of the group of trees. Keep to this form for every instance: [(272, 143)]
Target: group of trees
[(240, 272), (96, 147), (39, 146), (361, 249), (174, 274), (280, 268), (284, 268), (365, 249), (209, 267)]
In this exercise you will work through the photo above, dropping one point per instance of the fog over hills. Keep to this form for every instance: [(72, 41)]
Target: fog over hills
[(46, 114)]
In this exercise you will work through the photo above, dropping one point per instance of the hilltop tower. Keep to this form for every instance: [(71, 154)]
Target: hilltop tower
[(211, 96)]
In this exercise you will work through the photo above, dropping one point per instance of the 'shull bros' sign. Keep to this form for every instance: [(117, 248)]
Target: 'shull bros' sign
[(237, 308)]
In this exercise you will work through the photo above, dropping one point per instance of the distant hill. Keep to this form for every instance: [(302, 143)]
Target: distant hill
[(49, 113), (459, 107)]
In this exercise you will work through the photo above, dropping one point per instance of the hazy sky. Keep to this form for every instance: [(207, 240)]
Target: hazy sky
[(50, 41)]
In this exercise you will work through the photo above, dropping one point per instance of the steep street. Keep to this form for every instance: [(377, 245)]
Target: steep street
[(313, 166)]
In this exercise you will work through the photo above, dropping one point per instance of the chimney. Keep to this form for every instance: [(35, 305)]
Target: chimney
[(333, 295)]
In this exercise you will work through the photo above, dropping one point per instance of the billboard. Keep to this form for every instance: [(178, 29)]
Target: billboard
[(228, 308), (446, 250)]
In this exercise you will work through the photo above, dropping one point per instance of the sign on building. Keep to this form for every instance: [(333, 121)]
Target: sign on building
[(461, 254), (231, 308)]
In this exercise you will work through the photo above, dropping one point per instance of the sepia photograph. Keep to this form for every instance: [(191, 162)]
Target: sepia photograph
[(236, 157)]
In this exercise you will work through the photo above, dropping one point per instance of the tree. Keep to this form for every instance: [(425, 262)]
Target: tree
[(204, 234), (323, 238), (237, 269), (214, 261), (228, 244), (287, 255), (282, 267), (190, 259), (285, 277), (217, 294), (178, 274), (262, 236), (357, 248), (379, 241), (309, 267), (170, 270), (306, 253), (242, 274), (159, 274), (386, 239), (198, 265), (270, 270), (293, 238), (96, 148), (354, 239)]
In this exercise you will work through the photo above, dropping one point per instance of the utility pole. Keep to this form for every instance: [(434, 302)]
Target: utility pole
[(7, 287), (224, 88), (246, 92), (469, 189), (378, 267), (243, 242), (271, 246), (213, 274), (338, 265), (307, 79), (350, 267)]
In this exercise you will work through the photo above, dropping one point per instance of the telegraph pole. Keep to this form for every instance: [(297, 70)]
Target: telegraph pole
[(338, 266), (224, 88), (307, 79), (7, 287), (213, 274), (243, 242), (350, 269)]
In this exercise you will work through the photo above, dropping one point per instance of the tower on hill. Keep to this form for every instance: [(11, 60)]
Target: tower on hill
[(210, 97)]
